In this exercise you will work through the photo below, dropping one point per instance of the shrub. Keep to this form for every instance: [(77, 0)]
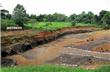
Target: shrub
[(73, 23), (105, 26), (6, 23), (49, 23)]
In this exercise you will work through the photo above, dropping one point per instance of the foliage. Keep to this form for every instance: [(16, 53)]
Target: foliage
[(56, 17), (19, 15), (5, 14), (48, 25), (83, 17), (32, 16), (54, 25), (73, 23), (20, 18), (6, 23)]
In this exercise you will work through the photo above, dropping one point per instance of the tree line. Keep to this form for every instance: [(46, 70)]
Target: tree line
[(20, 17)]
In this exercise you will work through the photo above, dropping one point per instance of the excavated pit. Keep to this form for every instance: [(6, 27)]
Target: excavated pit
[(47, 46), (10, 48)]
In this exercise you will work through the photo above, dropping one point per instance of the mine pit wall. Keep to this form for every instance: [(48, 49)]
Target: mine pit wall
[(42, 38)]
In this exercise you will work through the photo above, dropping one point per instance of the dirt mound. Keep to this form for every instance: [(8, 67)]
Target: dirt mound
[(102, 48)]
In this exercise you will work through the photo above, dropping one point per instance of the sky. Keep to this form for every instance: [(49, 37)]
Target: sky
[(66, 7)]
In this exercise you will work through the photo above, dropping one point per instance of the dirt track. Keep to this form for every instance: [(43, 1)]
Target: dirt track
[(65, 45)]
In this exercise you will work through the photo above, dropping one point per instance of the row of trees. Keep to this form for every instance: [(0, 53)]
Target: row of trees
[(20, 17)]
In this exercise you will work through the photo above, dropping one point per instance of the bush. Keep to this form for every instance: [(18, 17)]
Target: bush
[(49, 23), (106, 26), (6, 23), (73, 23), (31, 21)]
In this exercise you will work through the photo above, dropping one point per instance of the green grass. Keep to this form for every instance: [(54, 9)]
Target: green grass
[(48, 26), (53, 68), (83, 24), (105, 68), (53, 25), (44, 68), (6, 23)]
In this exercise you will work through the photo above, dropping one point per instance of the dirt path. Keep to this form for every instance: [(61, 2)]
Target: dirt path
[(44, 53)]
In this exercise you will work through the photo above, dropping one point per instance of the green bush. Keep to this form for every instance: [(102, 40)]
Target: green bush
[(31, 21), (6, 23), (106, 27), (73, 23)]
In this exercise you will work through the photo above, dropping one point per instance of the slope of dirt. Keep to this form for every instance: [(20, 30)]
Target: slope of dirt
[(49, 52)]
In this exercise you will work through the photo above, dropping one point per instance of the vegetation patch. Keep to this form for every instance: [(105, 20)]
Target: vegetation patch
[(53, 68), (47, 26)]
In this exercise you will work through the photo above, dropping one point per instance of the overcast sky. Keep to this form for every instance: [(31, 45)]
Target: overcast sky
[(61, 6)]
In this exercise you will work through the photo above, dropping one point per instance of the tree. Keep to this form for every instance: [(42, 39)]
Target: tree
[(41, 17), (106, 19), (101, 15), (19, 15), (5, 14), (72, 17), (96, 19), (33, 16), (59, 17), (89, 18)]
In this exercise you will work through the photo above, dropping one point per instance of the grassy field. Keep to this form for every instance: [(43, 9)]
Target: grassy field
[(53, 25), (53, 68)]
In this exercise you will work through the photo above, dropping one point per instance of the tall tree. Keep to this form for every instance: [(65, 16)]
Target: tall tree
[(101, 15), (19, 15), (32, 16), (72, 17), (89, 18), (106, 19)]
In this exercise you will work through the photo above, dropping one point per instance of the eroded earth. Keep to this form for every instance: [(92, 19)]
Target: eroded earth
[(73, 49)]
